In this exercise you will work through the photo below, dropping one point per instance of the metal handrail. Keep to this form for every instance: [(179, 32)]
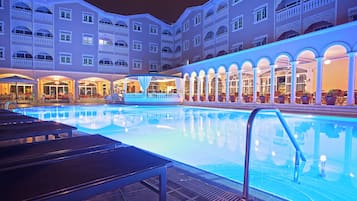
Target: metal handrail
[(298, 154)]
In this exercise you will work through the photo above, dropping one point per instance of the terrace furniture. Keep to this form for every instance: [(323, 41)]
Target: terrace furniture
[(31, 153), (79, 178), (16, 118), (33, 129)]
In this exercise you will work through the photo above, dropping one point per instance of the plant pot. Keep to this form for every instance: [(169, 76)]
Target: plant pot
[(281, 99), (305, 99), (232, 98), (262, 99), (330, 100), (246, 98)]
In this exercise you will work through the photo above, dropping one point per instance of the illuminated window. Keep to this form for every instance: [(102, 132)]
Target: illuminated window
[(87, 39)]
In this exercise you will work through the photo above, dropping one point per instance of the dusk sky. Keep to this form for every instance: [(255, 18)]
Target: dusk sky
[(166, 10)]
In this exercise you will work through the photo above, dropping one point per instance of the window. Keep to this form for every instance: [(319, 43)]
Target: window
[(237, 47), (137, 45), (87, 18), (166, 32), (87, 39), (166, 50), (209, 13), (197, 40), (221, 30), (66, 36), (43, 9), (237, 23), (1, 3), (105, 21), (352, 14), (1, 27), (137, 26), (22, 55), (209, 36), (153, 67), (186, 26), (121, 62), (260, 14), (121, 24), (153, 47), (259, 41), (234, 2), (197, 20), (65, 58), (106, 62), (186, 45), (21, 6), (121, 44), (153, 29), (22, 30), (43, 33), (87, 60), (2, 53), (221, 6), (43, 56), (137, 64), (105, 42), (65, 14)]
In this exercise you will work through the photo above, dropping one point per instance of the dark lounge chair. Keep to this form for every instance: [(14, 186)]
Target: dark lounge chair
[(33, 129), (80, 178), (37, 152), (16, 118)]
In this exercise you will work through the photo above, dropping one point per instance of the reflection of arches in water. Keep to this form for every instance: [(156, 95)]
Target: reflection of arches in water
[(127, 120)]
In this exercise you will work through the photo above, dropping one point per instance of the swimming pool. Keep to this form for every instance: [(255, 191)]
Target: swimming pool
[(214, 140)]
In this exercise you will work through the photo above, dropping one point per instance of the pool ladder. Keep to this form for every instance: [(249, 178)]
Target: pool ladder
[(298, 154)]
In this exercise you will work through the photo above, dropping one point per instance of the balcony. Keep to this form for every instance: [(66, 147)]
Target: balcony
[(43, 41), (43, 64), (294, 10), (21, 63), (43, 18), (21, 38), (21, 14)]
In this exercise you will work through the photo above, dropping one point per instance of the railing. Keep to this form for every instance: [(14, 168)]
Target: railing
[(298, 154)]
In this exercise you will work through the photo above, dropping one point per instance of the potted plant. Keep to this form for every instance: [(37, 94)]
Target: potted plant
[(281, 98), (246, 98), (232, 98), (330, 97), (262, 98), (305, 98)]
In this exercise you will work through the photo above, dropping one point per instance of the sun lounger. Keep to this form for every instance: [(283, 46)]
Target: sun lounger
[(83, 177), (31, 153), (16, 118), (33, 129)]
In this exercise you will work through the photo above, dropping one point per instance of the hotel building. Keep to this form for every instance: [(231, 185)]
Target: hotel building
[(225, 50)]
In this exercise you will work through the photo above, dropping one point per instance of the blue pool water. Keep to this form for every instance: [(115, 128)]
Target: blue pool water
[(214, 140)]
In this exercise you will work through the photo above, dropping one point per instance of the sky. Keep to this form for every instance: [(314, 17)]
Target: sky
[(166, 10)]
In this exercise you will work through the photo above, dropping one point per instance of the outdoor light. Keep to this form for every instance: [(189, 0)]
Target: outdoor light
[(322, 165), (327, 61)]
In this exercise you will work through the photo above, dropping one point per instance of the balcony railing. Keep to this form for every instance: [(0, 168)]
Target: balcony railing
[(21, 63), (291, 11)]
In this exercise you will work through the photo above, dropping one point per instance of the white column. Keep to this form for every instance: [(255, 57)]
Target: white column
[(191, 89), (318, 80), (254, 85), (198, 95), (227, 87), (240, 89), (272, 83), (76, 90), (125, 85), (216, 88), (207, 92), (293, 82), (351, 78)]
